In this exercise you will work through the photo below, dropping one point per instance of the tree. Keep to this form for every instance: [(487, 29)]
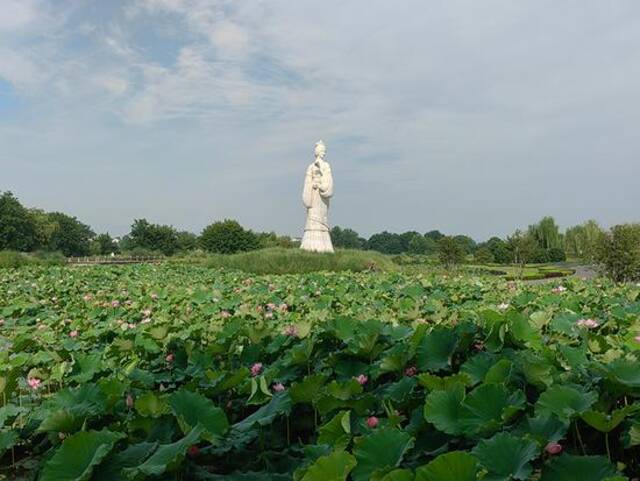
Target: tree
[(104, 245), (70, 236), (449, 252), (154, 237), (618, 253), (546, 233), (522, 246), (385, 242), (422, 245), (271, 239), (228, 237), (499, 250), (187, 241), (45, 227), (483, 256), (434, 235), (346, 238), (582, 240), (17, 226), (466, 243)]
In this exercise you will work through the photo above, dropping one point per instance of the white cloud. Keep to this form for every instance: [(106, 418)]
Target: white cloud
[(18, 14)]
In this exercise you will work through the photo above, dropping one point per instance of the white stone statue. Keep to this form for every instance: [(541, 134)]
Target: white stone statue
[(318, 189)]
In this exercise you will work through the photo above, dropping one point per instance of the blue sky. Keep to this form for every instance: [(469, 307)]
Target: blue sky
[(470, 117)]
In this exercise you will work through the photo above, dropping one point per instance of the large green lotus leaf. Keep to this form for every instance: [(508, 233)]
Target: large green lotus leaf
[(151, 405), (438, 383), (625, 372), (604, 422), (165, 458), (334, 467), (578, 468), (443, 409), (499, 372), (436, 348), (192, 409), (477, 366), (544, 428), (308, 389), (395, 358), (87, 366), (399, 391), (8, 439), (634, 435), (565, 401), (506, 456), (522, 331), (337, 432), (384, 448), (279, 404), (488, 406), (112, 467), (399, 475), (453, 466), (78, 455), (63, 421), (343, 390)]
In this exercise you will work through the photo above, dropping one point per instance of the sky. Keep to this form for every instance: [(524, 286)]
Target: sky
[(464, 116)]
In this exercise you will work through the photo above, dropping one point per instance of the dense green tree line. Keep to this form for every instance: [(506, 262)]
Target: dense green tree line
[(617, 250)]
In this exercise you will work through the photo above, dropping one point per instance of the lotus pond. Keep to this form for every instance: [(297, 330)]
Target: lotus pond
[(177, 372)]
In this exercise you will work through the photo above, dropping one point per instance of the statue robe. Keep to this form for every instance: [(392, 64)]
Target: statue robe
[(316, 230)]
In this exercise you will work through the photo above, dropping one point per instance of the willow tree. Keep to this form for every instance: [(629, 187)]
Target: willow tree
[(546, 234)]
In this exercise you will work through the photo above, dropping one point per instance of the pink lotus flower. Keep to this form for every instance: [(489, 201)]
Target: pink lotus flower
[(372, 422), (154, 296), (411, 371), (278, 387), (146, 320), (559, 289), (73, 333), (553, 448), (1, 322), (362, 379), (504, 306), (637, 338), (115, 303), (131, 325), (478, 346), (193, 451), (170, 357), (225, 314), (588, 323), (87, 297), (256, 369), (34, 383), (146, 313), (291, 330), (268, 315), (283, 307)]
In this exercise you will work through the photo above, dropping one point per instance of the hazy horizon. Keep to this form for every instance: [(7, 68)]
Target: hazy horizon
[(468, 118)]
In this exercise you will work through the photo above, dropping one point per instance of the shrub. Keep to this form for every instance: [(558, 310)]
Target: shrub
[(483, 256), (555, 254), (449, 251), (228, 237), (618, 253), (296, 261)]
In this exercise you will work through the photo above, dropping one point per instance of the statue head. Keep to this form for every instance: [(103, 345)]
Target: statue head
[(320, 149)]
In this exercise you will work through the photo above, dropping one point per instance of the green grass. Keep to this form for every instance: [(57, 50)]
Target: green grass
[(12, 259), (530, 271), (295, 261)]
